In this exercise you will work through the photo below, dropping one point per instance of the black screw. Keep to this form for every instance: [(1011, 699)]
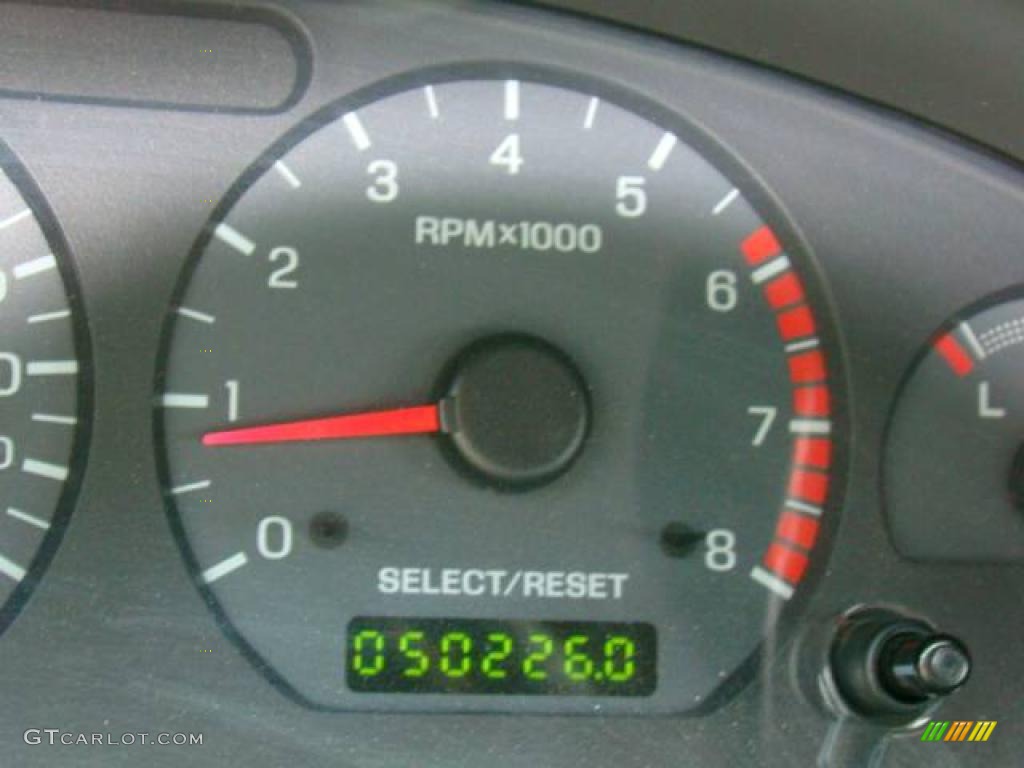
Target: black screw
[(328, 530), (680, 540)]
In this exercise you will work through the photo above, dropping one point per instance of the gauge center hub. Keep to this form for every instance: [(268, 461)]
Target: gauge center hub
[(517, 411)]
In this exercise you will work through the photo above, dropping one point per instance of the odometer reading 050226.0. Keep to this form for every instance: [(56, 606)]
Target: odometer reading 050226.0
[(475, 656), (507, 346)]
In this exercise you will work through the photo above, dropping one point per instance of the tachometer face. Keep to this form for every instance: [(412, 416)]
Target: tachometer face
[(44, 387), (487, 389)]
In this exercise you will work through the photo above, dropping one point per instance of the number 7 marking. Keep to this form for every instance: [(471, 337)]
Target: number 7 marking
[(767, 415)]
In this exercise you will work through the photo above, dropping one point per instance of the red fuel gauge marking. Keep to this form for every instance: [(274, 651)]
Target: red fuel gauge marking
[(955, 355)]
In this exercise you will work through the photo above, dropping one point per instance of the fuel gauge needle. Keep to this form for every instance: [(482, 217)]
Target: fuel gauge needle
[(417, 420)]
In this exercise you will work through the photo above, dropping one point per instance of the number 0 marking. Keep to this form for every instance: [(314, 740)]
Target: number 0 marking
[(274, 550)]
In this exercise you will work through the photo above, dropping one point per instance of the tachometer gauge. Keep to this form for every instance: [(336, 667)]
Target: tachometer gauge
[(44, 386), (497, 389)]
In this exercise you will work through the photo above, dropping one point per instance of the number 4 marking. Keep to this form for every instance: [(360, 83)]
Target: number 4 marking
[(507, 154), (766, 414)]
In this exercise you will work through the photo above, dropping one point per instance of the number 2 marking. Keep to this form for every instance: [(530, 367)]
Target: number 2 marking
[(291, 263)]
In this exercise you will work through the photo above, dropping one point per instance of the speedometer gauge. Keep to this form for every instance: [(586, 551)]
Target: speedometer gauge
[(44, 386), (497, 389)]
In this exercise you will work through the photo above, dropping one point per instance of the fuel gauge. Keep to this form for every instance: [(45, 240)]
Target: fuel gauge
[(954, 463)]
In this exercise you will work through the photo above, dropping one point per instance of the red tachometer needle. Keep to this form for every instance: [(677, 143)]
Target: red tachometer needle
[(419, 420)]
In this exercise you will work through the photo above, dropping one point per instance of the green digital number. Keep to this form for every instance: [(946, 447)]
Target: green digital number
[(501, 649), (619, 659), (418, 659), (579, 667), (368, 653), (459, 640), (545, 647)]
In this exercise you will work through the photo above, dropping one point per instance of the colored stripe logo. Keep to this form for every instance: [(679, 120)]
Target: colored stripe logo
[(959, 730)]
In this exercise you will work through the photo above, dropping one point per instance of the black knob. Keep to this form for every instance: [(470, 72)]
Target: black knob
[(918, 667), (891, 668), (517, 411)]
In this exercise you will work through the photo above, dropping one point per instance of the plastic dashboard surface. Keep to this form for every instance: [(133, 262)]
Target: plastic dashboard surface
[(903, 226)]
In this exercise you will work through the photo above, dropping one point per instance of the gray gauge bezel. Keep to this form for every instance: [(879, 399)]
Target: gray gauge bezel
[(81, 440), (732, 168)]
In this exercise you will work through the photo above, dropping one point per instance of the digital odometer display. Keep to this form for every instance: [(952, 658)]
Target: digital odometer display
[(471, 656)]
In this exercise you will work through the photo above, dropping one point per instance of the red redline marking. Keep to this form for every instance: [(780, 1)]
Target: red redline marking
[(796, 533), (797, 529), (815, 452), (784, 291), (424, 419), (812, 401), (808, 486), (785, 562), (760, 246), (955, 355), (807, 367), (796, 323)]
